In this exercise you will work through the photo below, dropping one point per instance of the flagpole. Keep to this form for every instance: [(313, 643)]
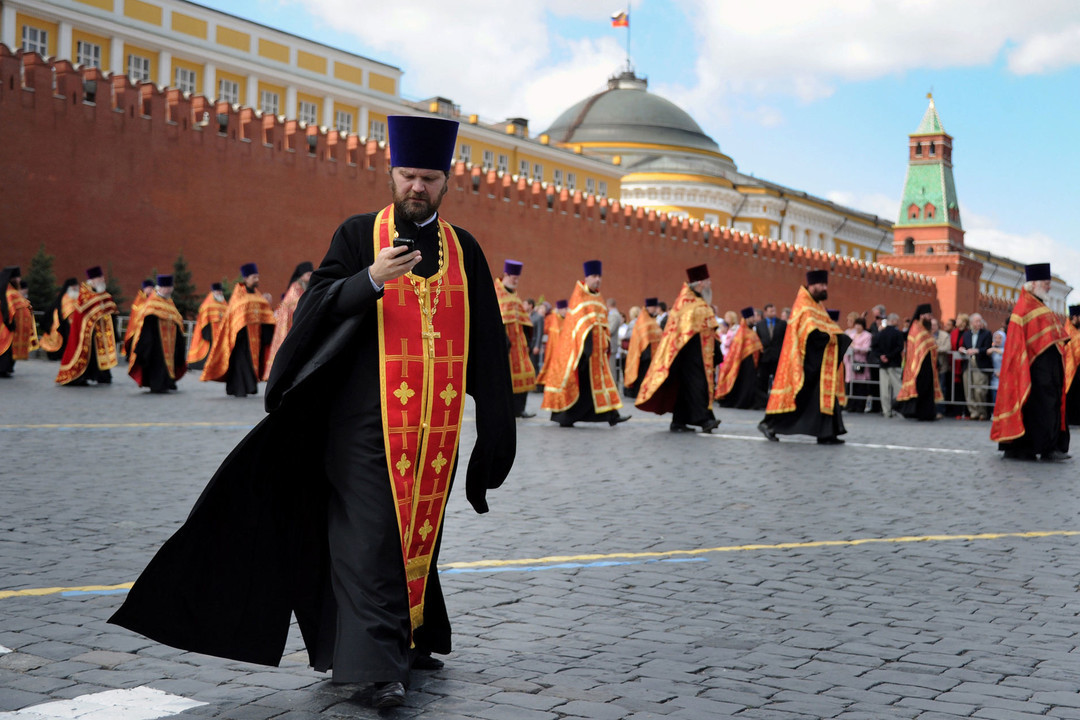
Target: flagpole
[(628, 65)]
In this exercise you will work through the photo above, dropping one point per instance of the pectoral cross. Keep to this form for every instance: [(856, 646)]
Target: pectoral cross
[(430, 336)]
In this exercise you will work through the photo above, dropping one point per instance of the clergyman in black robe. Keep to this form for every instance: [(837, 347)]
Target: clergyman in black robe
[(300, 517)]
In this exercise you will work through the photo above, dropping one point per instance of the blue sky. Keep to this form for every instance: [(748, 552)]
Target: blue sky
[(818, 96)]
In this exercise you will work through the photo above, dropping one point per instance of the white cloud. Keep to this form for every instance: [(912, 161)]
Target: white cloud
[(880, 204), (983, 232), (1047, 52)]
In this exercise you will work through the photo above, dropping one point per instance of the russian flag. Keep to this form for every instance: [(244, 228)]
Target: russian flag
[(620, 19)]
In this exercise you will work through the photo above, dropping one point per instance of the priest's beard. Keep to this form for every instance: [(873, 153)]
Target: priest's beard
[(820, 295), (1040, 293), (925, 324), (252, 287), (98, 285), (416, 207), (706, 295)]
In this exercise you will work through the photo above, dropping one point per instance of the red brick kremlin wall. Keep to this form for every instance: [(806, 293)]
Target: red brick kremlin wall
[(139, 175)]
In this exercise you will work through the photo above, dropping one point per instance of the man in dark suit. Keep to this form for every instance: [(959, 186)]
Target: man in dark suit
[(975, 344), (771, 330), (887, 349)]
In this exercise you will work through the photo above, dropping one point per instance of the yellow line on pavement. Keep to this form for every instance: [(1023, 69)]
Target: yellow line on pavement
[(774, 546), (30, 592)]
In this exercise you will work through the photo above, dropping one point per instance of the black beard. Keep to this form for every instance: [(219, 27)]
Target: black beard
[(925, 324), (820, 295), (252, 287)]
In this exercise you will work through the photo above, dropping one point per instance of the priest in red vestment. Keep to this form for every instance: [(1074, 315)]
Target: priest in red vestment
[(920, 388), (737, 384), (644, 339), (90, 354), (18, 331), (156, 349), (519, 330), (241, 348)]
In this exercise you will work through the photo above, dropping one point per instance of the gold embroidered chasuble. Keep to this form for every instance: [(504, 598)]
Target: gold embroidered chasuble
[(170, 328), (423, 345), (91, 322), (807, 315), (515, 319), (586, 315), (690, 317), (646, 334), (24, 338)]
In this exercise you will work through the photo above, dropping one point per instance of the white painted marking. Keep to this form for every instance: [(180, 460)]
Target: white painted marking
[(5, 650), (143, 703), (803, 441)]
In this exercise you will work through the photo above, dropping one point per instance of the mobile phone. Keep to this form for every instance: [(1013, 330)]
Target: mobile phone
[(404, 242)]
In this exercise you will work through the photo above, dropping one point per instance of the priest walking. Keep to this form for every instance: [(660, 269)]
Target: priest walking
[(519, 329), (241, 348)]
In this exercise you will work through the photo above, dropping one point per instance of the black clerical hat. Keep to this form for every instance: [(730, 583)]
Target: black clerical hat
[(593, 267), (1039, 271), (652, 302), (817, 277), (164, 281), (248, 269), (94, 272), (922, 310), (421, 142), (512, 267), (697, 273), (747, 312)]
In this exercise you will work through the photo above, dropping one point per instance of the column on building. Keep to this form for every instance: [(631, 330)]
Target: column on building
[(251, 93), (64, 47), (210, 81), (8, 30), (164, 78), (327, 120), (116, 56), (289, 111)]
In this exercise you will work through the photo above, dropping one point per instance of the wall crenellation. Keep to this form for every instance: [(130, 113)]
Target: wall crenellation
[(264, 180)]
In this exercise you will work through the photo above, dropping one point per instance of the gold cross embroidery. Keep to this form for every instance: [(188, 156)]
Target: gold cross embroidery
[(439, 462), (425, 530), (404, 393), (430, 336), (403, 464), (448, 394)]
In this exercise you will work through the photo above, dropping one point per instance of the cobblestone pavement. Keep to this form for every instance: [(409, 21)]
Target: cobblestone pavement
[(622, 572)]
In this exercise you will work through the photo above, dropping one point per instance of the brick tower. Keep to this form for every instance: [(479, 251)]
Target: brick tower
[(928, 237)]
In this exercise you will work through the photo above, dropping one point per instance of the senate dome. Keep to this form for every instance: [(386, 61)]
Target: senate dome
[(626, 121)]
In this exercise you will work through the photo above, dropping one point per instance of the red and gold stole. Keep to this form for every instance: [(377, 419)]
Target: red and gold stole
[(211, 312), (90, 322), (919, 344), (52, 341), (283, 318), (170, 325), (423, 349), (246, 310), (515, 319), (24, 337), (587, 314), (690, 316), (745, 344), (646, 334), (1033, 329), (807, 315), (1072, 355), (552, 325), (136, 305)]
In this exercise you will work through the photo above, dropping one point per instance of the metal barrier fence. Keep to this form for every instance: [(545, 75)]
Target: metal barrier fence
[(953, 386)]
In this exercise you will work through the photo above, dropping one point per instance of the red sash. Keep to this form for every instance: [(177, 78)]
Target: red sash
[(170, 325), (807, 315), (745, 344), (23, 339), (422, 380), (515, 319), (91, 322), (918, 346)]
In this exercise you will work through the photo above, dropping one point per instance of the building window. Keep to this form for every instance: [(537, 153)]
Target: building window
[(603, 193), (186, 80), (88, 54), (909, 246), (228, 90), (308, 113), (556, 178), (590, 186), (343, 121), (571, 181), (138, 68), (523, 169), (918, 149), (377, 130), (35, 40), (504, 164), (465, 153), (932, 150), (489, 159), (269, 102), (929, 211), (538, 172)]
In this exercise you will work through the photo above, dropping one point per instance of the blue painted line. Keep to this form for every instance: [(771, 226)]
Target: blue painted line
[(567, 566)]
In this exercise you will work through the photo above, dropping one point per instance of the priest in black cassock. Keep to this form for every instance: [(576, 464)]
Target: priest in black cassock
[(312, 513)]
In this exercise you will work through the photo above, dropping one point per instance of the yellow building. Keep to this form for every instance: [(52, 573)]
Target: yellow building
[(174, 43)]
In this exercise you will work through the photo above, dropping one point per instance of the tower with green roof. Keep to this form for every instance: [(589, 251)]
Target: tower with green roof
[(928, 237), (929, 213)]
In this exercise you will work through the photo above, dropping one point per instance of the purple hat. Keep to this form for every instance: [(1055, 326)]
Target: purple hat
[(217, 287), (652, 302), (164, 280), (697, 273), (421, 142), (834, 315), (148, 283), (747, 312), (94, 272), (1039, 271), (593, 267), (817, 277), (561, 304), (512, 267), (248, 269)]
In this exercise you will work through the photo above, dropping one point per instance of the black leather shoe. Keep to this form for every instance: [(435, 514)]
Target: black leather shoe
[(767, 431), (711, 425), (1055, 456), (830, 441), (526, 415), (426, 661), (618, 419), (391, 694), (680, 428)]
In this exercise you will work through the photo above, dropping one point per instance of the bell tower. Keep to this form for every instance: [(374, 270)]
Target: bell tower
[(928, 237)]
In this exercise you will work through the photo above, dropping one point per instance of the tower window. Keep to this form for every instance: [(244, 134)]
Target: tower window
[(913, 212), (932, 150), (918, 149), (909, 246), (928, 211)]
